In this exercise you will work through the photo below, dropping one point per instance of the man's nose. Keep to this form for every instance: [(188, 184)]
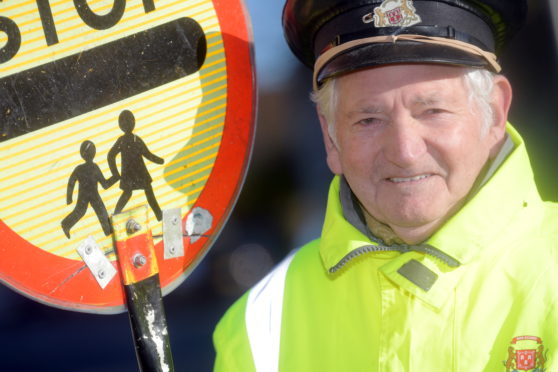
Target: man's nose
[(404, 144)]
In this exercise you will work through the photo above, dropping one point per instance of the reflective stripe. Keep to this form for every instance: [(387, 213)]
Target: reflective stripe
[(263, 317)]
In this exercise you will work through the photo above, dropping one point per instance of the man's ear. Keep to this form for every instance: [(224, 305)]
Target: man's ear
[(500, 102), (332, 151)]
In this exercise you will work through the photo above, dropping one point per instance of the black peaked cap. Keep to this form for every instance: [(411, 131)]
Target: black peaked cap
[(311, 27)]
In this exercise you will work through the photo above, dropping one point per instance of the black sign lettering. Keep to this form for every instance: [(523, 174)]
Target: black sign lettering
[(148, 6), (74, 85), (10, 28), (100, 22), (47, 21)]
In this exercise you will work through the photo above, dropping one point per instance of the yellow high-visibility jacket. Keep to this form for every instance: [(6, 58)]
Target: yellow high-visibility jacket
[(481, 294)]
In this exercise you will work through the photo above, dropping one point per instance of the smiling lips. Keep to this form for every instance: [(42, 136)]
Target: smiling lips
[(408, 179)]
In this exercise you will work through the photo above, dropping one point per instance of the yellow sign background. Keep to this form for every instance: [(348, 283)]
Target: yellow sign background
[(181, 122)]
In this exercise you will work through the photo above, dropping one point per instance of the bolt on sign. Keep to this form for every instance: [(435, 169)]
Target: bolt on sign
[(107, 105)]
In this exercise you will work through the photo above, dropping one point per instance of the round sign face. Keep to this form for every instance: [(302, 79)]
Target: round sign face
[(109, 105)]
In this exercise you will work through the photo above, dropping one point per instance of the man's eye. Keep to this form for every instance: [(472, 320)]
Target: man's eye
[(435, 111), (369, 121)]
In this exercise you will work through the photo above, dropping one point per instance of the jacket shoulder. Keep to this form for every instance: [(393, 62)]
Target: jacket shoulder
[(230, 340)]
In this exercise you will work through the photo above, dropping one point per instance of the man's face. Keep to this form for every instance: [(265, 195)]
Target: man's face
[(410, 143)]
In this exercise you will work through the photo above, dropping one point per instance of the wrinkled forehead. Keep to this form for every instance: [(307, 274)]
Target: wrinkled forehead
[(374, 90), (390, 77)]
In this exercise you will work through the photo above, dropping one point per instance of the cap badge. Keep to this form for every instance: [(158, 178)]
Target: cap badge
[(526, 353), (393, 13)]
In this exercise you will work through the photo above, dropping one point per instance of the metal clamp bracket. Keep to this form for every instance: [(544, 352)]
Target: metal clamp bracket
[(173, 239), (102, 269)]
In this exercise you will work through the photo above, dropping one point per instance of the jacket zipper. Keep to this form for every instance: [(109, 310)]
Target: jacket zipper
[(403, 248)]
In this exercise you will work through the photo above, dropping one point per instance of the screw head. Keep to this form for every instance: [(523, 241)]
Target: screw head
[(101, 274), (139, 260), (88, 249), (132, 226)]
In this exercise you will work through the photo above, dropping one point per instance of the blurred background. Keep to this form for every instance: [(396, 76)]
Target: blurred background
[(281, 207)]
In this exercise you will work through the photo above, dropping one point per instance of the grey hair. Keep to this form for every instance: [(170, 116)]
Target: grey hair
[(480, 83), (325, 99)]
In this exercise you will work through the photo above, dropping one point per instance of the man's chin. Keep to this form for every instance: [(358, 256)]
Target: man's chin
[(414, 224)]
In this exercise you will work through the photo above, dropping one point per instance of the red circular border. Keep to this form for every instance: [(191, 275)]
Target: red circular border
[(64, 283)]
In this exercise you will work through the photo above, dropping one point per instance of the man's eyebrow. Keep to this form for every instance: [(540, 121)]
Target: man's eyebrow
[(428, 99), (368, 109)]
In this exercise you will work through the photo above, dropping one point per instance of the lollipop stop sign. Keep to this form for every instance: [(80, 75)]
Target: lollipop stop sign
[(120, 119)]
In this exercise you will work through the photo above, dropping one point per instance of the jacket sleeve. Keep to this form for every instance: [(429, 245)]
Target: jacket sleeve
[(550, 340), (230, 339)]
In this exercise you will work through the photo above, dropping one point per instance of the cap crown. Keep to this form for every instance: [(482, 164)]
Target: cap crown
[(309, 24)]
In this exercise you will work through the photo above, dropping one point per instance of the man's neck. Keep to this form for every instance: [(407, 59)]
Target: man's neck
[(398, 235)]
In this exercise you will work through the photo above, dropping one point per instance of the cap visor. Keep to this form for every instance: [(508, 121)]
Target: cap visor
[(379, 54)]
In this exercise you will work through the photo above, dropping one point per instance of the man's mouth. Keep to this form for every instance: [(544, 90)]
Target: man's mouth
[(408, 179)]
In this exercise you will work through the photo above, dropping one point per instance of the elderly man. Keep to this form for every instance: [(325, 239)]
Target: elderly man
[(437, 253)]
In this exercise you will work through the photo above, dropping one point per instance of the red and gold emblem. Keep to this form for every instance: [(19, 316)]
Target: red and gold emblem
[(526, 353), (394, 13)]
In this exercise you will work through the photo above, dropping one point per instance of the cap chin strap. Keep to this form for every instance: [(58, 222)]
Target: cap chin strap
[(461, 45)]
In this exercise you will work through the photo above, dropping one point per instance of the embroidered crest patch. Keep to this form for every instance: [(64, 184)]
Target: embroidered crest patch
[(526, 353), (393, 13)]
